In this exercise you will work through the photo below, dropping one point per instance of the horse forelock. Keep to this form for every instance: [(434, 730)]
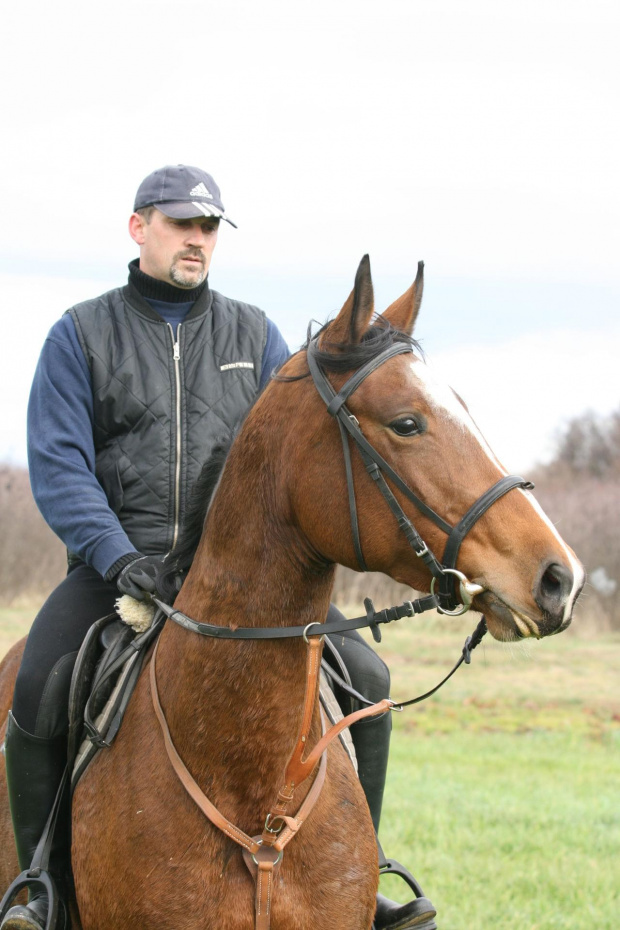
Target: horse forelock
[(347, 356)]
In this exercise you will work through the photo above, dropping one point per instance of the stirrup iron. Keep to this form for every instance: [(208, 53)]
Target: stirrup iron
[(25, 880)]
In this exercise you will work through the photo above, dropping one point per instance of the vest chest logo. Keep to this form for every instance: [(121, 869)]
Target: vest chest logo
[(236, 365)]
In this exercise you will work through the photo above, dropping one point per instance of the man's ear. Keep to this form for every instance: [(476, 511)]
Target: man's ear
[(136, 228)]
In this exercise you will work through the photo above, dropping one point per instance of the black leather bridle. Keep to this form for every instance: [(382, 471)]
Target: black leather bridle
[(445, 572), (445, 600)]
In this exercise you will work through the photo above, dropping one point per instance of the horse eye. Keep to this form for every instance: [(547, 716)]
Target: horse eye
[(408, 426)]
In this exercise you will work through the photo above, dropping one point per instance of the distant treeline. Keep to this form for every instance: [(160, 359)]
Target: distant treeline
[(579, 489)]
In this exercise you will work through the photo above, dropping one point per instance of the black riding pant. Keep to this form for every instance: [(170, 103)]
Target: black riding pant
[(41, 695), (42, 689)]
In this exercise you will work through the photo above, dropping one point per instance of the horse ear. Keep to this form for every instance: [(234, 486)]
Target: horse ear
[(403, 312), (356, 314)]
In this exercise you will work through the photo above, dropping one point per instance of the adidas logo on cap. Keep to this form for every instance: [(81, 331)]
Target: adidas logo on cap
[(201, 190)]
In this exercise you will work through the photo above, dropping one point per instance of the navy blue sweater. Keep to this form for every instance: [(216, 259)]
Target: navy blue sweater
[(61, 451)]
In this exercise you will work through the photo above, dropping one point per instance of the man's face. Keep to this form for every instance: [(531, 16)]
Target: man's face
[(175, 251)]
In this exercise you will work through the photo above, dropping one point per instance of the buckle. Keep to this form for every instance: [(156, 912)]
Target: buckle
[(269, 824)]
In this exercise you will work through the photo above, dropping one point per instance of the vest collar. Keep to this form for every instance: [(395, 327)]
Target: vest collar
[(154, 289), (135, 301)]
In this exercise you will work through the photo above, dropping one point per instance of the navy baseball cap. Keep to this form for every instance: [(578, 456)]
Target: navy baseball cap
[(181, 192)]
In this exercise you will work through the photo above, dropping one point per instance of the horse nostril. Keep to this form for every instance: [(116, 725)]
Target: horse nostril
[(550, 584), (554, 587)]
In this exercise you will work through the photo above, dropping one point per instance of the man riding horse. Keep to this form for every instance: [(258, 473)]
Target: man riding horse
[(133, 391)]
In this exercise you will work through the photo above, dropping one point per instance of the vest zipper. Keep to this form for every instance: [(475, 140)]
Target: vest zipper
[(176, 357)]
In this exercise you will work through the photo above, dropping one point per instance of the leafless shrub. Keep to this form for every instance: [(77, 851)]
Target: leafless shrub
[(32, 559), (589, 446)]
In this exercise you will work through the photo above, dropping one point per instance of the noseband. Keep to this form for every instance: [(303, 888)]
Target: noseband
[(448, 602)]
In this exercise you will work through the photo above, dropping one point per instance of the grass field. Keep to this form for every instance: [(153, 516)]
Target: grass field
[(504, 788), (503, 794)]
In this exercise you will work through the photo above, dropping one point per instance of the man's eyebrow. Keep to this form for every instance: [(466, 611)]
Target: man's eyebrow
[(204, 221)]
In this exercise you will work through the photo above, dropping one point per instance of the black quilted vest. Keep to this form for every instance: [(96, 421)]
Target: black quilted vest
[(157, 416)]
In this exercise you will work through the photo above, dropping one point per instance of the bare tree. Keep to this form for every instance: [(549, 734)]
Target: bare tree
[(32, 559)]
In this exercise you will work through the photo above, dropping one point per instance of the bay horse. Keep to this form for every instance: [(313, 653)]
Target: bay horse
[(279, 522)]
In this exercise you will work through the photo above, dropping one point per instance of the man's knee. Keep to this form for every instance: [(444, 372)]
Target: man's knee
[(368, 672), (44, 713)]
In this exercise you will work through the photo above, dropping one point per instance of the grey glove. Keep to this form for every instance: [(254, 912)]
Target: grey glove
[(139, 578)]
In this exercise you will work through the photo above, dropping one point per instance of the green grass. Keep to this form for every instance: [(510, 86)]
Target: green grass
[(508, 830), (503, 793)]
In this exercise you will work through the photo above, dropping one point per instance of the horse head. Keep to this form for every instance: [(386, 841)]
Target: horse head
[(524, 577)]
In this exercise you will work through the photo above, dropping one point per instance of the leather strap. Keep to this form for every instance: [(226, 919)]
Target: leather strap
[(299, 768), (350, 423), (359, 555), (458, 532), (293, 824), (372, 619), (198, 797), (336, 401), (265, 856), (377, 467), (265, 852), (263, 867)]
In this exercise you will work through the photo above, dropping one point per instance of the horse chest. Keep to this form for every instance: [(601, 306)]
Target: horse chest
[(137, 832)]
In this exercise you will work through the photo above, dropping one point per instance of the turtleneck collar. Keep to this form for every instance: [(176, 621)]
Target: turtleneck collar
[(153, 289)]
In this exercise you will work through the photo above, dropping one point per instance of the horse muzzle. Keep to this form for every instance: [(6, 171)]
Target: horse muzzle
[(555, 594), (554, 597)]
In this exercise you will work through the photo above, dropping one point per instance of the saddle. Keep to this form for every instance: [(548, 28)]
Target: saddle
[(104, 677)]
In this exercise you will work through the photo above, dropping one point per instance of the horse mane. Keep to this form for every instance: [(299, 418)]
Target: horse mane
[(332, 356)]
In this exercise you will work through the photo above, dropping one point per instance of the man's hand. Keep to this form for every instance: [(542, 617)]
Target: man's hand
[(140, 576)]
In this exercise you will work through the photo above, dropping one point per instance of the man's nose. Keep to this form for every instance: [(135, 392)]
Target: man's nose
[(195, 236)]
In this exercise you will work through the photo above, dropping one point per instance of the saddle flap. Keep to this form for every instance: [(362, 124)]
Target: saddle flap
[(82, 679)]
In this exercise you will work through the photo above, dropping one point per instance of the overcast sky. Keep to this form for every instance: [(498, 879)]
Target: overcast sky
[(481, 136)]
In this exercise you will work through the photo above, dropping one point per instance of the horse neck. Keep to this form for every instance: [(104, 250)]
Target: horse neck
[(234, 707)]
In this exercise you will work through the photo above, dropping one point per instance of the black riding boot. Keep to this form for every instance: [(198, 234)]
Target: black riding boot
[(34, 769), (370, 676), (371, 739)]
